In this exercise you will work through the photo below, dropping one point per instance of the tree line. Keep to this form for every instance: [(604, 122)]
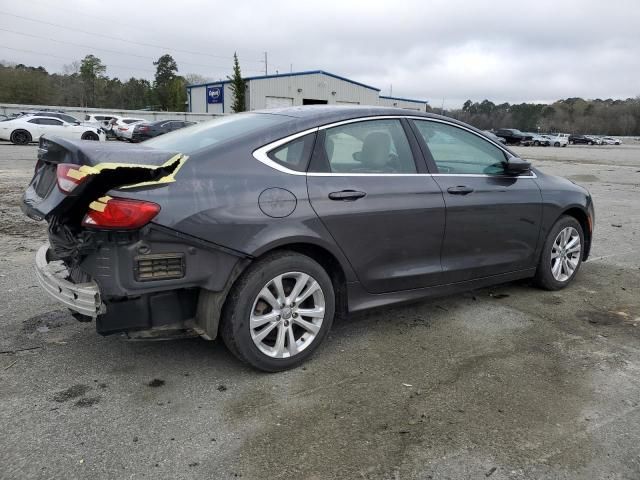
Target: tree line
[(85, 84), (571, 115)]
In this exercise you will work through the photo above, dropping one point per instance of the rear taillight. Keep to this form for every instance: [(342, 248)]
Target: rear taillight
[(69, 177), (120, 213), (143, 129)]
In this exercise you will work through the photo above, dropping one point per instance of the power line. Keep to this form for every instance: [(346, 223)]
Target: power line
[(95, 34), (103, 21), (112, 51), (71, 59)]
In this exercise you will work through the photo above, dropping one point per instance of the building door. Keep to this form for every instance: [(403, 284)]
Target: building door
[(278, 102), (313, 101)]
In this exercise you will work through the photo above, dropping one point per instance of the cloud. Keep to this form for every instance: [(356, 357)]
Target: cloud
[(451, 50)]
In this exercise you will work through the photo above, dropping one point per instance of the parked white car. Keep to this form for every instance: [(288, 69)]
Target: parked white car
[(116, 121), (125, 132), (27, 129), (558, 139), (610, 141), (98, 119)]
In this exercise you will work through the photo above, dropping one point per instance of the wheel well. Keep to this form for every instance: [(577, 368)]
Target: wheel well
[(582, 218), (330, 263)]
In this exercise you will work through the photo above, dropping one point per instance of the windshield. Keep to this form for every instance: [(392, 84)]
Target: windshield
[(208, 133)]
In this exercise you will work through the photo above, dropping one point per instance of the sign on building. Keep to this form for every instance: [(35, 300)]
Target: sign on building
[(215, 94)]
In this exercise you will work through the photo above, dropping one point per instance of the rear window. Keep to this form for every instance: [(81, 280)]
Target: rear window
[(215, 131)]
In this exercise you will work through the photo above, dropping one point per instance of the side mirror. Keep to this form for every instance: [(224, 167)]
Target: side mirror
[(517, 166)]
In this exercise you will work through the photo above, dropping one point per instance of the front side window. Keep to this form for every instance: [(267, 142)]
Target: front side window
[(372, 146), (458, 151)]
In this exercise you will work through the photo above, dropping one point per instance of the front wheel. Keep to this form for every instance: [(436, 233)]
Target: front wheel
[(557, 144), (561, 255), (279, 312)]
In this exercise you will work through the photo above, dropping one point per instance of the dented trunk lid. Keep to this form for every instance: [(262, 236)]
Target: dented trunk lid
[(104, 166)]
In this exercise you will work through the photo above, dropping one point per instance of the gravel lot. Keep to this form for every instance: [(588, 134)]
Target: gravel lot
[(509, 382)]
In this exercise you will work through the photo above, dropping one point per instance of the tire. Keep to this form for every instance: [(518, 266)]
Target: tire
[(536, 143), (545, 277), (590, 143), (572, 142), (246, 299), (20, 137), (557, 144), (90, 136)]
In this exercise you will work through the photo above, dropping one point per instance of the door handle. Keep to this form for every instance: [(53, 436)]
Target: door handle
[(460, 190), (346, 195)]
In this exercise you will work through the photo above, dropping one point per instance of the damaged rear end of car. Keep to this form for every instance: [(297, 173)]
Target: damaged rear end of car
[(106, 259)]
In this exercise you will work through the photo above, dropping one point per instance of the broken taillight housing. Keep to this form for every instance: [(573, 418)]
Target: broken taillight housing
[(69, 177), (121, 214)]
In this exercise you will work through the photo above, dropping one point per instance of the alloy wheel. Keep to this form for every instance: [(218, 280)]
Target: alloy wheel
[(287, 315), (565, 254)]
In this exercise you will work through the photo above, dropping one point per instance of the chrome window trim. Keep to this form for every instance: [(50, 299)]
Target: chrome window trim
[(479, 175), (262, 154)]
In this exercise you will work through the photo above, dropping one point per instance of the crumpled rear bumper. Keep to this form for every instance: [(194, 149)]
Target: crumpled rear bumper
[(83, 298)]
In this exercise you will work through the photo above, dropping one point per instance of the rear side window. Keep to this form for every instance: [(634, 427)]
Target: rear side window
[(458, 151), (373, 146), (295, 154), (34, 120)]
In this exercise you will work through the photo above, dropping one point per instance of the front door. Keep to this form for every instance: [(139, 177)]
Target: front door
[(380, 206), (493, 219)]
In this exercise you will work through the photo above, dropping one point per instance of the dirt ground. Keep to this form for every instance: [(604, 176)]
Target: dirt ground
[(503, 383)]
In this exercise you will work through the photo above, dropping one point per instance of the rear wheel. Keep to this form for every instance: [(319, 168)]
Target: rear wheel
[(557, 144), (278, 312), (561, 255), (90, 136), (536, 143), (20, 137)]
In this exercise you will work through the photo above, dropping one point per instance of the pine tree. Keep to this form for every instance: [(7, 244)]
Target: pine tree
[(237, 87)]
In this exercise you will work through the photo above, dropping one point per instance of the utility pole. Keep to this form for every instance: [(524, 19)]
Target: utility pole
[(266, 70), (391, 89)]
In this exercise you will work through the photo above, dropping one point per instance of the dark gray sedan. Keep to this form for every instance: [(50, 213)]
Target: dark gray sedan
[(262, 227)]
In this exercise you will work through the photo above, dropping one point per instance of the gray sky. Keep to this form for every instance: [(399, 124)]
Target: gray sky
[(453, 50)]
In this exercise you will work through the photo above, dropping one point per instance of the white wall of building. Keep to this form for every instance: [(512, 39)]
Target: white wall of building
[(402, 103), (292, 89), (316, 86)]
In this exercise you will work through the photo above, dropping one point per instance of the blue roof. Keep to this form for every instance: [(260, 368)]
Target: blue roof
[(293, 74), (404, 99)]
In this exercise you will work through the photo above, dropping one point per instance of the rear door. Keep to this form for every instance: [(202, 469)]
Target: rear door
[(493, 219), (380, 205)]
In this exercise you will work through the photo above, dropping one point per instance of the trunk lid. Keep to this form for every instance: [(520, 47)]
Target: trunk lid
[(103, 167)]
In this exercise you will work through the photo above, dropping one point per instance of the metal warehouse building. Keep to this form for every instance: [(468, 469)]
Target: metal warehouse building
[(299, 88)]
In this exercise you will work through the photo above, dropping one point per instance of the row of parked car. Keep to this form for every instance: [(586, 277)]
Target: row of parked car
[(29, 126), (512, 136), (134, 129)]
